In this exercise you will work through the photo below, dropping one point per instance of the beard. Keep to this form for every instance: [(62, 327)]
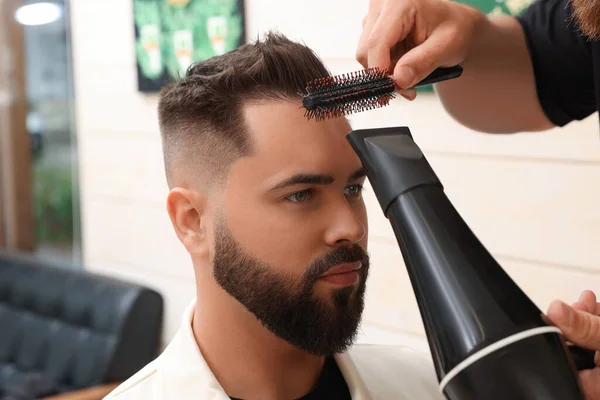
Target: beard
[(287, 306), (587, 15)]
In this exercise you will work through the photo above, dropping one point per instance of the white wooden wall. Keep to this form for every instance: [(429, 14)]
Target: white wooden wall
[(531, 198)]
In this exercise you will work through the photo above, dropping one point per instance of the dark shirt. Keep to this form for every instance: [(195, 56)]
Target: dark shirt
[(566, 64), (331, 384)]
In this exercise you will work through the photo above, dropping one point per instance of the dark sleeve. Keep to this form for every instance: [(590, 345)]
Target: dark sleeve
[(562, 61)]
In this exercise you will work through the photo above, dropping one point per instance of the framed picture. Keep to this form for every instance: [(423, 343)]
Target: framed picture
[(170, 35)]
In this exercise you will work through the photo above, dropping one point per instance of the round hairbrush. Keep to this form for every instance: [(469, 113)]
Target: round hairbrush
[(334, 96)]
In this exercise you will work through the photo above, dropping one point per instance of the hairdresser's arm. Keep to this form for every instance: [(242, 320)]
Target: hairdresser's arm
[(496, 92)]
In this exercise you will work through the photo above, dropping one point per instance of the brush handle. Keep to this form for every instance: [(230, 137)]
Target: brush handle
[(441, 74)]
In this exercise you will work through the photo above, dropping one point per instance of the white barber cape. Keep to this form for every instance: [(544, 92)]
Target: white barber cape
[(372, 372)]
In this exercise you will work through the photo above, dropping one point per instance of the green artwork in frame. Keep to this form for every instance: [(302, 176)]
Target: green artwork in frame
[(492, 7), (170, 35)]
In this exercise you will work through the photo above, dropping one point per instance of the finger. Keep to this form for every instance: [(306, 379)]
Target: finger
[(580, 306), (590, 383), (361, 51), (420, 61), (367, 26), (597, 358), (588, 298), (578, 327), (393, 25), (397, 52), (409, 94), (584, 307), (591, 301)]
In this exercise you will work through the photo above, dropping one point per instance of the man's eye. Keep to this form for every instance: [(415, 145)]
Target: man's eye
[(354, 190), (299, 197)]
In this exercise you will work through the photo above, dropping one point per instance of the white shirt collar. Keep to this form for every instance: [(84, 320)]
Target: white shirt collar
[(188, 376)]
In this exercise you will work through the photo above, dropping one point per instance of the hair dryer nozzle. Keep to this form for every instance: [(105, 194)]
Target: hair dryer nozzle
[(387, 151), (487, 338)]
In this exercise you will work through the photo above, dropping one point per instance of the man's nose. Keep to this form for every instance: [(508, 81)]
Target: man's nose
[(345, 226)]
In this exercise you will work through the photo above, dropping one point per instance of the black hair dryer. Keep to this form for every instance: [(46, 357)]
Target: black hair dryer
[(488, 340)]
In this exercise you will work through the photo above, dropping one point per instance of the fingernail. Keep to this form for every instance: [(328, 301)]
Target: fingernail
[(406, 75)]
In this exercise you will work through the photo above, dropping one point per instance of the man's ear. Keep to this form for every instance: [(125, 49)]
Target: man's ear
[(187, 210)]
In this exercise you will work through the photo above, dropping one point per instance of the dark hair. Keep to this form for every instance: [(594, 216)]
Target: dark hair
[(200, 116)]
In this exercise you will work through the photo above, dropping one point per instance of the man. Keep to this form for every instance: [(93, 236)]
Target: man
[(269, 207), (548, 59)]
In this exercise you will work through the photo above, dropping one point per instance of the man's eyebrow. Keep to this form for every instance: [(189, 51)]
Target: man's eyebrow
[(359, 173), (315, 179), (304, 178)]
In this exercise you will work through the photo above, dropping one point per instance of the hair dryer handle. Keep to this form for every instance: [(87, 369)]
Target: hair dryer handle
[(487, 338), (583, 358)]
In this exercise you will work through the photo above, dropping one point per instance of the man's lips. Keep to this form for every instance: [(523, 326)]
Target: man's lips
[(343, 268), (343, 275)]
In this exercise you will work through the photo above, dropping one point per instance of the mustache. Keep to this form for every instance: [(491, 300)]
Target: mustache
[(339, 255)]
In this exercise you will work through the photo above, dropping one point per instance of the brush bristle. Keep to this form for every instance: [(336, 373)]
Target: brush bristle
[(335, 96)]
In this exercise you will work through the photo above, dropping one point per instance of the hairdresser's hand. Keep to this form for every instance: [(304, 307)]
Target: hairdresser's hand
[(580, 324), (414, 37)]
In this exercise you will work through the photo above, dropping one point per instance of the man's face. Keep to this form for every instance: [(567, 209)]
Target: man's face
[(587, 14), (293, 212)]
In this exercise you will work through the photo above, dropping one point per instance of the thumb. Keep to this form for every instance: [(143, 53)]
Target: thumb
[(578, 327), (420, 61)]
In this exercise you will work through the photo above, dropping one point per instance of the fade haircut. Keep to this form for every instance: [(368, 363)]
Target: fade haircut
[(201, 116)]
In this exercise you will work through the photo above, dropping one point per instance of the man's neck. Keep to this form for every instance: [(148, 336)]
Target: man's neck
[(248, 360)]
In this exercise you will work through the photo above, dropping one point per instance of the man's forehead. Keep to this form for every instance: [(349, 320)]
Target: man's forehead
[(286, 143), (281, 125)]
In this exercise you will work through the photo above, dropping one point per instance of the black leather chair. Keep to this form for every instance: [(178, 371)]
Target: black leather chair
[(63, 329)]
